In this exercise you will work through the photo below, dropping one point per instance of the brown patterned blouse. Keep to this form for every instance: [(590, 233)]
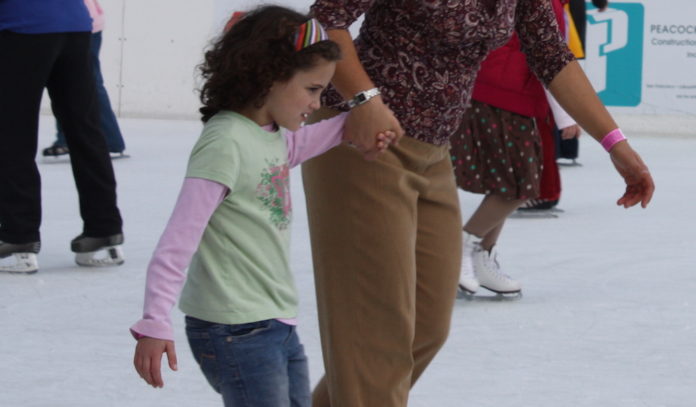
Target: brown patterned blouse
[(424, 54)]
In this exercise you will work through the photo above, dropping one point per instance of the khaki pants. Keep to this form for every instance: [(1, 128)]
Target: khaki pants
[(386, 243)]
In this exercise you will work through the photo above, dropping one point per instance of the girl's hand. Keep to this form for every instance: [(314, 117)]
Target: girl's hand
[(148, 358), (384, 139), (639, 184)]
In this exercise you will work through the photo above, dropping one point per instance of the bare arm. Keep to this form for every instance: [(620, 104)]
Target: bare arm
[(575, 94), (368, 119), (350, 77)]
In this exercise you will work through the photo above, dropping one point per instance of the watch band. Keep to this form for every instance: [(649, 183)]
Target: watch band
[(363, 97)]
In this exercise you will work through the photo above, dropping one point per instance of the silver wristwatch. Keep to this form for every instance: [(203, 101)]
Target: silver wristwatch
[(362, 97)]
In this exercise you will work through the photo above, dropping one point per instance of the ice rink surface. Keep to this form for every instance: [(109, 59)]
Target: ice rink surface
[(608, 317)]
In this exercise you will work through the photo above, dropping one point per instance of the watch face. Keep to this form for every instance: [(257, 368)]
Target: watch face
[(363, 97)]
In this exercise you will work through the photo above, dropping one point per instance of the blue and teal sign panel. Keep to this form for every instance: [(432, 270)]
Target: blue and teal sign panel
[(621, 51)]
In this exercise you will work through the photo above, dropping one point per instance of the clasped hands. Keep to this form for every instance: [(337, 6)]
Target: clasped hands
[(372, 128)]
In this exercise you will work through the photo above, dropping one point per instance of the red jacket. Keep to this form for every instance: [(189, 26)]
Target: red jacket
[(505, 80)]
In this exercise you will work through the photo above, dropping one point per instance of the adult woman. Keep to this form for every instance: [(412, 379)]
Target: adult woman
[(386, 235)]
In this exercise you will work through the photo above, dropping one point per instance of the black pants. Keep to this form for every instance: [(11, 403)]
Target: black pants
[(59, 62)]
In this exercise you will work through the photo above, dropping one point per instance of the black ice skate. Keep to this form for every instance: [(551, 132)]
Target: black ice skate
[(98, 251), (19, 258), (537, 208), (56, 154)]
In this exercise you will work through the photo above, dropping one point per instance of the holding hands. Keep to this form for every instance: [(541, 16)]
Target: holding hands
[(372, 127)]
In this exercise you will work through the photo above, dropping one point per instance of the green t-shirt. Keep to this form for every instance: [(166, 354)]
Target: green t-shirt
[(240, 272)]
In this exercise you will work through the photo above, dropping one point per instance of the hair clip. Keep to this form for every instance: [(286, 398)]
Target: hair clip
[(236, 16), (309, 33)]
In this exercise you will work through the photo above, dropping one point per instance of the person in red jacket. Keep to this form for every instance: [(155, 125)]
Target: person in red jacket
[(498, 152)]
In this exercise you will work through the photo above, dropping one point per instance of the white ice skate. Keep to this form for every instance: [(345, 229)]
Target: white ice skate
[(467, 279), (488, 272), (19, 258), (98, 251)]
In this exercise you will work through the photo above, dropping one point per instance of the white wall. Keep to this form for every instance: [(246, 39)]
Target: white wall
[(151, 48)]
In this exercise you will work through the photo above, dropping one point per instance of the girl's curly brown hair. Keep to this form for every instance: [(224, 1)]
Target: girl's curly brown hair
[(257, 51)]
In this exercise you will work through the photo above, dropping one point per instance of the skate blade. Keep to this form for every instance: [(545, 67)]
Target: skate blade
[(55, 159), (536, 214), (569, 164), (461, 288), (116, 156), (493, 297), (107, 257), (20, 263)]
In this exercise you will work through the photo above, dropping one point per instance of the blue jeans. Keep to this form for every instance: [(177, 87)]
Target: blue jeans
[(259, 364), (107, 118)]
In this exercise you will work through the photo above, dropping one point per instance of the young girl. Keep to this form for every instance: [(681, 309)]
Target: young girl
[(234, 212)]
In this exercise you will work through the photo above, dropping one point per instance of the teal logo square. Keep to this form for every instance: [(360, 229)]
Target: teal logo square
[(614, 52)]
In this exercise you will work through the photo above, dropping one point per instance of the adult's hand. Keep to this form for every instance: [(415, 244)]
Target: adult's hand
[(570, 132), (639, 183), (366, 121)]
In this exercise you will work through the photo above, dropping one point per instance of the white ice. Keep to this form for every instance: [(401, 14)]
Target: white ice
[(608, 316)]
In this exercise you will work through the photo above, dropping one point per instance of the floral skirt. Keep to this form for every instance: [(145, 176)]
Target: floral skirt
[(497, 152)]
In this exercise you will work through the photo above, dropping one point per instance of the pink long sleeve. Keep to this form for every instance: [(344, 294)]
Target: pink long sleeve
[(166, 274), (314, 139)]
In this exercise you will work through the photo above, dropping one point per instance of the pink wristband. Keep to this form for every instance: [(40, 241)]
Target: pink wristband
[(612, 138)]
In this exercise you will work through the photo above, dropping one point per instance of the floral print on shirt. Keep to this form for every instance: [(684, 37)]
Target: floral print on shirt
[(274, 192)]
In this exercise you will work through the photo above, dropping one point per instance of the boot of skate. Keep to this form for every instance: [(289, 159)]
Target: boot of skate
[(19, 258), (467, 277), (489, 275), (98, 251)]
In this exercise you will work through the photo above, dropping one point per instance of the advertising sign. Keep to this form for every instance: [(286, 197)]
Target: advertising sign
[(641, 55)]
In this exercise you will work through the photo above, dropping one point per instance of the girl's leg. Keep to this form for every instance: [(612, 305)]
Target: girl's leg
[(246, 363), (298, 372), (488, 219)]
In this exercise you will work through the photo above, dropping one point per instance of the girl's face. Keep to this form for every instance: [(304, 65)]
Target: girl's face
[(289, 103)]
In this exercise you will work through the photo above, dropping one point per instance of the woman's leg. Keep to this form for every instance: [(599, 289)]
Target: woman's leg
[(363, 245), (438, 259), (364, 220)]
